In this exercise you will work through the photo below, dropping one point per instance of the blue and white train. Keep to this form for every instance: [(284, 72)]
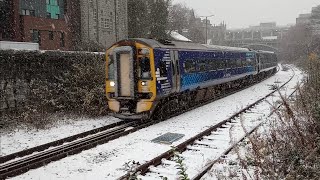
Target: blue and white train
[(147, 76)]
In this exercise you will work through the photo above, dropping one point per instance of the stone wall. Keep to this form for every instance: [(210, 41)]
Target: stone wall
[(52, 81)]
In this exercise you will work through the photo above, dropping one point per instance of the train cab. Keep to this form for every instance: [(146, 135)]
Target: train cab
[(130, 80)]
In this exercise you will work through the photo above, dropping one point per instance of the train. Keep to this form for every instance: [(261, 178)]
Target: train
[(145, 77)]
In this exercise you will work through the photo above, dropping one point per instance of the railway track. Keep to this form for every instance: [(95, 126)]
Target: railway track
[(43, 147), (21, 162), (215, 141)]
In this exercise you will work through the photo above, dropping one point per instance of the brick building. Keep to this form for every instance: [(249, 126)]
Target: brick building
[(40, 21)]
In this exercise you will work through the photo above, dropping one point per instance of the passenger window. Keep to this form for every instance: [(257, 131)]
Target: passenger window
[(239, 63), (189, 66), (230, 63), (202, 65), (212, 65), (222, 64), (145, 68)]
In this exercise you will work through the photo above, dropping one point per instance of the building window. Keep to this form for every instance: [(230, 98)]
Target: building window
[(32, 13), (51, 36), (53, 8), (35, 36), (25, 12), (62, 39)]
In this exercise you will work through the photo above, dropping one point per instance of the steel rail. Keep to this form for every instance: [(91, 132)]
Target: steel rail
[(227, 151), (144, 168), (21, 165), (45, 146)]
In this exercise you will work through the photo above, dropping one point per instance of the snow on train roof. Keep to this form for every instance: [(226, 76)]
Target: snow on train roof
[(186, 45), (225, 48)]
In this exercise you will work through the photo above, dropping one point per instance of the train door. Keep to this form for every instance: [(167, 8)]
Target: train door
[(258, 62), (175, 71), (177, 67)]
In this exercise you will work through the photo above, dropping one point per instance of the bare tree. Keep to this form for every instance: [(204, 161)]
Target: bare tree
[(296, 44), (179, 15)]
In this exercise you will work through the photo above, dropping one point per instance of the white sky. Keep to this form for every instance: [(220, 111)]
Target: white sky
[(243, 13)]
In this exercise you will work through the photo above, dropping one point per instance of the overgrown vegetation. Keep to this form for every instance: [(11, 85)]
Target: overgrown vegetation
[(290, 148), (157, 18), (55, 83)]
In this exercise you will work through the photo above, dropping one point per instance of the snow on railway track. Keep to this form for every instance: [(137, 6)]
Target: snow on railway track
[(209, 145), (106, 161)]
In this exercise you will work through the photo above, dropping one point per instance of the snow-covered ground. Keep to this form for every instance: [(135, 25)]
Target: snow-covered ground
[(21, 139), (107, 161)]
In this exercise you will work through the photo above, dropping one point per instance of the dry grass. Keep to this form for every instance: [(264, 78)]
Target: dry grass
[(290, 148)]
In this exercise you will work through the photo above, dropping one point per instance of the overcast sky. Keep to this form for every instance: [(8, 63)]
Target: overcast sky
[(243, 13)]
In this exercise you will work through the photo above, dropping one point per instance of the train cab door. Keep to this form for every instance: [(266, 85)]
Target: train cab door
[(175, 71)]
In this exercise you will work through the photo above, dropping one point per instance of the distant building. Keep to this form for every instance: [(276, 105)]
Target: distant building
[(36, 21), (219, 33), (265, 31), (303, 19), (104, 22), (315, 20), (266, 34)]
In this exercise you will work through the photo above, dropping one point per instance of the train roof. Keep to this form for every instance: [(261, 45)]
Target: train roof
[(185, 45), (269, 52)]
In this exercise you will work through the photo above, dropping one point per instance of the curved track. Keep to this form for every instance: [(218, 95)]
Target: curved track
[(21, 162), (203, 141)]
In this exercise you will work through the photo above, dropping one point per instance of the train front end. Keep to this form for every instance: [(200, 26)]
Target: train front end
[(130, 80)]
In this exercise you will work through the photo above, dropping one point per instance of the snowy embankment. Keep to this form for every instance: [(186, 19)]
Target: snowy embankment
[(107, 161)]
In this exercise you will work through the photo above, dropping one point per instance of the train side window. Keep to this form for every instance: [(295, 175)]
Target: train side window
[(244, 63), (230, 63), (227, 64), (222, 64), (212, 65), (189, 66), (239, 63), (163, 69), (202, 65)]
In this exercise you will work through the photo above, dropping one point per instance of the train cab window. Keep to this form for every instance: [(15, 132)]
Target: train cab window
[(145, 68), (110, 67), (189, 66)]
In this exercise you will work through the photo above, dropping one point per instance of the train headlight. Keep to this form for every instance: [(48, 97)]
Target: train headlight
[(112, 83), (143, 83)]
